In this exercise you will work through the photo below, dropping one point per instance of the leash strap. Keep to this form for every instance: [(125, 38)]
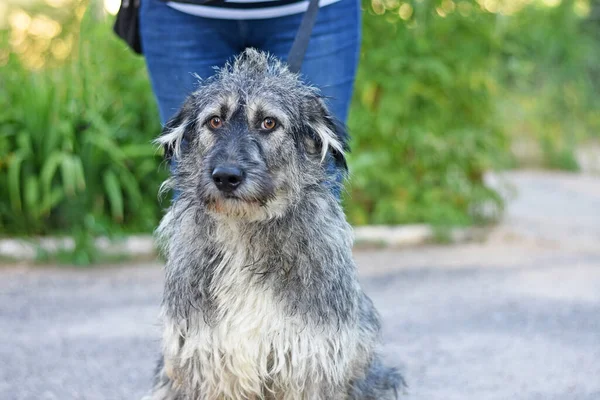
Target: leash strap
[(298, 50)]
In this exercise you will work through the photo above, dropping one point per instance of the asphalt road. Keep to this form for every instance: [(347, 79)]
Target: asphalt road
[(515, 317)]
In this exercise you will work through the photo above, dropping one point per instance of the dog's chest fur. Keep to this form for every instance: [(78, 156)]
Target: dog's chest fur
[(253, 346)]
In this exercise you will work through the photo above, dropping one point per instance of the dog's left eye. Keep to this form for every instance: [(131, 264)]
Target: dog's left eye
[(215, 122), (268, 124)]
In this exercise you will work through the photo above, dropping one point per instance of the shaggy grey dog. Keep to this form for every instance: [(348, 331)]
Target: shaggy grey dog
[(261, 298)]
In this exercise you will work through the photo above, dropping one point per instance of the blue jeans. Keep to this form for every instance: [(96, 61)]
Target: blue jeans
[(177, 45)]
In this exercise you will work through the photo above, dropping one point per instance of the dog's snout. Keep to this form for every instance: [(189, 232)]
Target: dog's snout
[(227, 178)]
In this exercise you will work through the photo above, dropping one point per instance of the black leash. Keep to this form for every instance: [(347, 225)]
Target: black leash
[(298, 50)]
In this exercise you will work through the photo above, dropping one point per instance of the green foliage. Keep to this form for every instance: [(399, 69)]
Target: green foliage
[(75, 145), (550, 76), (422, 123)]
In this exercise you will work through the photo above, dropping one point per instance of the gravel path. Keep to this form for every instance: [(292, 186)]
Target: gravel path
[(516, 317)]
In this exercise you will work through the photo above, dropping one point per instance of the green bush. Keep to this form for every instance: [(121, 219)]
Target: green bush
[(75, 144), (550, 76), (423, 123)]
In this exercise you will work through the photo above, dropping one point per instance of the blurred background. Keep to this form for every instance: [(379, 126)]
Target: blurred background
[(446, 91)]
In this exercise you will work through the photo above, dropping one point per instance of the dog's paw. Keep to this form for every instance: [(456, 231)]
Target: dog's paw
[(379, 383)]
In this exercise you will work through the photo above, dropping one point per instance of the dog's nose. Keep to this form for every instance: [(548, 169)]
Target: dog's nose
[(227, 178)]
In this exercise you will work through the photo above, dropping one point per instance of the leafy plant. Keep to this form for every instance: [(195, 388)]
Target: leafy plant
[(423, 124), (75, 144), (551, 78)]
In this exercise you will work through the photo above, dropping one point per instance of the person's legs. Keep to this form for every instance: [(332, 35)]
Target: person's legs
[(332, 55), (178, 46)]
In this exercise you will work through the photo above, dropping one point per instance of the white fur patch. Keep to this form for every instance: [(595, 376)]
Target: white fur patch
[(328, 139), (173, 138)]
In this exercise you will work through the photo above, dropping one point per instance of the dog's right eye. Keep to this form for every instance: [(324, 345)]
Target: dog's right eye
[(268, 124), (215, 122)]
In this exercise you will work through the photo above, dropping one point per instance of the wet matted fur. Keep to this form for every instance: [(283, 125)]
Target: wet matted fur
[(261, 298)]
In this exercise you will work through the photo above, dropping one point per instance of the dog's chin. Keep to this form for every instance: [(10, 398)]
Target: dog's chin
[(249, 210)]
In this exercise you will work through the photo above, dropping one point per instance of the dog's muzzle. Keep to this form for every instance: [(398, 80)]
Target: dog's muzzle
[(227, 178)]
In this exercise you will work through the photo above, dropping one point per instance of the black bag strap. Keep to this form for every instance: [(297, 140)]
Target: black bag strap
[(298, 50)]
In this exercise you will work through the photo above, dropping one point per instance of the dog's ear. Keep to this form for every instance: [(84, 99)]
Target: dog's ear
[(341, 134), (330, 136), (177, 130)]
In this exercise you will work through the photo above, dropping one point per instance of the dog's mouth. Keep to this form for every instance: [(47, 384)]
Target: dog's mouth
[(231, 204), (253, 200), (232, 197)]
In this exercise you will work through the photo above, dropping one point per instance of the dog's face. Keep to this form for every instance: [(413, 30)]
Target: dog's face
[(251, 140)]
